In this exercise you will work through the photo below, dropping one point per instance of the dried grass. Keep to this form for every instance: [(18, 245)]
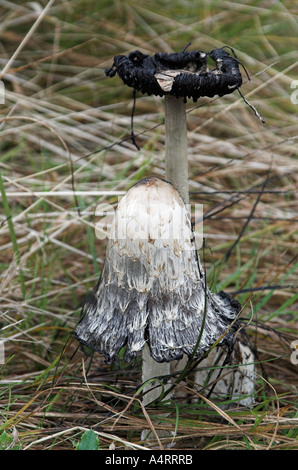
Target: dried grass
[(65, 126)]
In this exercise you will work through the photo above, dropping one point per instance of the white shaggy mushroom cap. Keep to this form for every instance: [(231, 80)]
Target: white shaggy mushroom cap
[(152, 287)]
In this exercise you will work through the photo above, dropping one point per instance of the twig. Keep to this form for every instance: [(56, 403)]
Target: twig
[(228, 254)]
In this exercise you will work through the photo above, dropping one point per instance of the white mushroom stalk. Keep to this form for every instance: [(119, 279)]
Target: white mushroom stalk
[(176, 160), (152, 288)]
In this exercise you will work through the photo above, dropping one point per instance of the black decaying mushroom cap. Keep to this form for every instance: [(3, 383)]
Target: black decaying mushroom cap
[(152, 287), (182, 74)]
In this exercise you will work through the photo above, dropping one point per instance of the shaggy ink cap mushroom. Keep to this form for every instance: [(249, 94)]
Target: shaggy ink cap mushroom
[(152, 288), (183, 74)]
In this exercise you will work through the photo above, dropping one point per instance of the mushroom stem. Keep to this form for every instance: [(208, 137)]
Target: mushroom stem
[(176, 145), (151, 369), (176, 164)]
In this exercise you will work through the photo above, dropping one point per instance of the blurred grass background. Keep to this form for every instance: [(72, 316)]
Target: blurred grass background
[(65, 125)]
